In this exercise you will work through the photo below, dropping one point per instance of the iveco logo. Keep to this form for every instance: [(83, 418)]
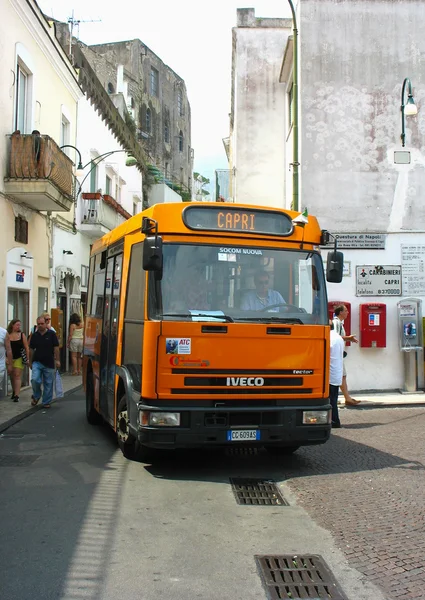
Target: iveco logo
[(244, 381)]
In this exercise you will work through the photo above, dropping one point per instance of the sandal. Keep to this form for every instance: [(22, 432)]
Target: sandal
[(46, 405), (34, 401)]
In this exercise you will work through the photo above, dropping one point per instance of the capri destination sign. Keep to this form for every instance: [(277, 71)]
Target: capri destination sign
[(378, 280)]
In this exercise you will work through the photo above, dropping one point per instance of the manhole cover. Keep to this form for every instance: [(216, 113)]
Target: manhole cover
[(305, 576), (17, 460), (257, 492)]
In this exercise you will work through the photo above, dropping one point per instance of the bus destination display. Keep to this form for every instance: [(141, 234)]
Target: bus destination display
[(237, 219)]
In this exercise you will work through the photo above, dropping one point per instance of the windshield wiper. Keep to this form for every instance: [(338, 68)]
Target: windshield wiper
[(289, 320), (194, 317)]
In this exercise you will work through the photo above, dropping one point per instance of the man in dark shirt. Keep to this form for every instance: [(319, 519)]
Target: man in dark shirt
[(44, 357)]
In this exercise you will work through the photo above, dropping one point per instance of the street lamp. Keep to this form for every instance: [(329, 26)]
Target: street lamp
[(80, 167), (295, 161), (408, 109)]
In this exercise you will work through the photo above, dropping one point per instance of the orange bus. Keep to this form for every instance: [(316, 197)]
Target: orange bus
[(207, 326)]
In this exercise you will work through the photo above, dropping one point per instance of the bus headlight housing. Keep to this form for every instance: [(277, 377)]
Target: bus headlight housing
[(160, 419), (316, 417)]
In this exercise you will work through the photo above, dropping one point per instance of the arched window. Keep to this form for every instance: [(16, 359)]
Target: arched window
[(167, 133), (181, 141), (148, 120), (111, 89)]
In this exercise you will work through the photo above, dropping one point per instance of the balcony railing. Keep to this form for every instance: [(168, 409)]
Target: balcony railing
[(100, 214), (39, 174)]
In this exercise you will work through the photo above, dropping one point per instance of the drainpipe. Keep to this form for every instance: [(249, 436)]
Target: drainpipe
[(295, 163)]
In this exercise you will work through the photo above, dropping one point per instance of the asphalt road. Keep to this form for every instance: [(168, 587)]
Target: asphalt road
[(80, 522)]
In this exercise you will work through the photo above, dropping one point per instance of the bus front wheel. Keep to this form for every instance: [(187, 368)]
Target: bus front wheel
[(129, 445), (93, 417), (281, 450)]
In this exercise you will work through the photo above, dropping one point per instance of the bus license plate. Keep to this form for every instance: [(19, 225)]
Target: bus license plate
[(243, 435)]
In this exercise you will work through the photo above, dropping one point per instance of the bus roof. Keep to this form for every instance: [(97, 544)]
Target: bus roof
[(172, 219)]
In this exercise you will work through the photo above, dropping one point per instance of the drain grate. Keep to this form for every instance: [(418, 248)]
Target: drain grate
[(17, 460), (257, 492), (305, 576)]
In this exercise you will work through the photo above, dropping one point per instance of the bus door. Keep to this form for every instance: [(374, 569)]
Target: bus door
[(109, 336)]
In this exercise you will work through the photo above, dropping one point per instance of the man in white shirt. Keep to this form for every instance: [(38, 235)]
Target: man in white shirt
[(341, 313), (335, 373)]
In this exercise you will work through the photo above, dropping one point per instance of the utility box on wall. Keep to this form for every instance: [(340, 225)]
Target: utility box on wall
[(373, 325), (347, 323)]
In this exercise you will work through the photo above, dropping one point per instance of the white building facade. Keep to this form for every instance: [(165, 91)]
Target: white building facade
[(350, 80)]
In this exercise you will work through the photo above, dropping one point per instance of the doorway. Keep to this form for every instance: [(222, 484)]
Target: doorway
[(18, 303)]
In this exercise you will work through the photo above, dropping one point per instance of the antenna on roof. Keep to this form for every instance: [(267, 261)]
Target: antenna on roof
[(75, 23)]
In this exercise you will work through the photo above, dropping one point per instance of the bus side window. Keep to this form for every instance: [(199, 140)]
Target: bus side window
[(90, 285), (134, 317), (96, 308)]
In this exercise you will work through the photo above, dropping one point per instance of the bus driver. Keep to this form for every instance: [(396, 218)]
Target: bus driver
[(262, 296)]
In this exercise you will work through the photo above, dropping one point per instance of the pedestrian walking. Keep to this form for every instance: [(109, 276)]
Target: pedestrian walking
[(75, 342), (6, 359), (44, 357), (341, 313), (335, 372), (20, 353)]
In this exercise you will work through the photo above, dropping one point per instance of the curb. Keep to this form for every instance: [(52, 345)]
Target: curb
[(30, 411), (370, 404)]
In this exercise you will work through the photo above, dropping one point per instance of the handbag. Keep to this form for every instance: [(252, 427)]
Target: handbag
[(24, 356), (58, 385), (344, 354)]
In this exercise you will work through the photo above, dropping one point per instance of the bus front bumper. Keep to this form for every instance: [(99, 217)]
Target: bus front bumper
[(254, 426)]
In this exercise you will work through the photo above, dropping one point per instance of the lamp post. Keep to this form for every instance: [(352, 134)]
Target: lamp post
[(408, 109), (295, 161)]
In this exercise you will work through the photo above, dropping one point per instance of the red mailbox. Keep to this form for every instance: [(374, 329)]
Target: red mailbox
[(347, 322), (373, 325)]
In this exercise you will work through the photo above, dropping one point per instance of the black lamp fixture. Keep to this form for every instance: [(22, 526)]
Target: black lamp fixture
[(67, 252)]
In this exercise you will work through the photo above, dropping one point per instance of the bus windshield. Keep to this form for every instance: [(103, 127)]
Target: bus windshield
[(239, 284)]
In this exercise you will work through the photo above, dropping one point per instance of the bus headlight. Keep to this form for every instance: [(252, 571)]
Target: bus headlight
[(161, 419), (316, 417)]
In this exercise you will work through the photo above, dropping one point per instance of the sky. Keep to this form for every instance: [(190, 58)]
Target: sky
[(192, 37)]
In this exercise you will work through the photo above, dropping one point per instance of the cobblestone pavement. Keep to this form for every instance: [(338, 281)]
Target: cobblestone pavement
[(368, 489)]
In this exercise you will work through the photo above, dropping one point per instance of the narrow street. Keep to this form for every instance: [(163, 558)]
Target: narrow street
[(82, 522)]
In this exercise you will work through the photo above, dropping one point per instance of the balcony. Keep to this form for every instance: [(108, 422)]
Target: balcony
[(38, 173), (100, 214)]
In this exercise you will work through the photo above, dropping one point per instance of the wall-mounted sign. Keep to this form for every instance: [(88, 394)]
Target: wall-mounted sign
[(347, 268), (413, 265), (378, 280), (360, 241), (20, 276)]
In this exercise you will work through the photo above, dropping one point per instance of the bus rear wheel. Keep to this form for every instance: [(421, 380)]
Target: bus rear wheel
[(93, 417), (281, 450), (129, 445)]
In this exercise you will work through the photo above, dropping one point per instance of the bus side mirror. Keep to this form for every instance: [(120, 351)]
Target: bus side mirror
[(152, 253), (334, 266)]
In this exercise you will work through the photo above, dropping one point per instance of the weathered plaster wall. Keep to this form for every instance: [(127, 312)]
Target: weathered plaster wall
[(355, 56)]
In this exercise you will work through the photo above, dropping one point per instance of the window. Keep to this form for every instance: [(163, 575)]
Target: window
[(21, 230), (111, 89), (181, 141), (166, 133), (98, 287), (270, 285), (134, 316), (135, 208), (180, 103), (64, 137), (108, 185), (188, 153), (42, 300), (21, 116), (148, 121), (290, 101), (154, 82), (166, 169), (93, 177), (84, 275)]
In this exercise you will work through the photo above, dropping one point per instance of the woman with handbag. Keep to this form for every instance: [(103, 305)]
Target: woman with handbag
[(20, 353)]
